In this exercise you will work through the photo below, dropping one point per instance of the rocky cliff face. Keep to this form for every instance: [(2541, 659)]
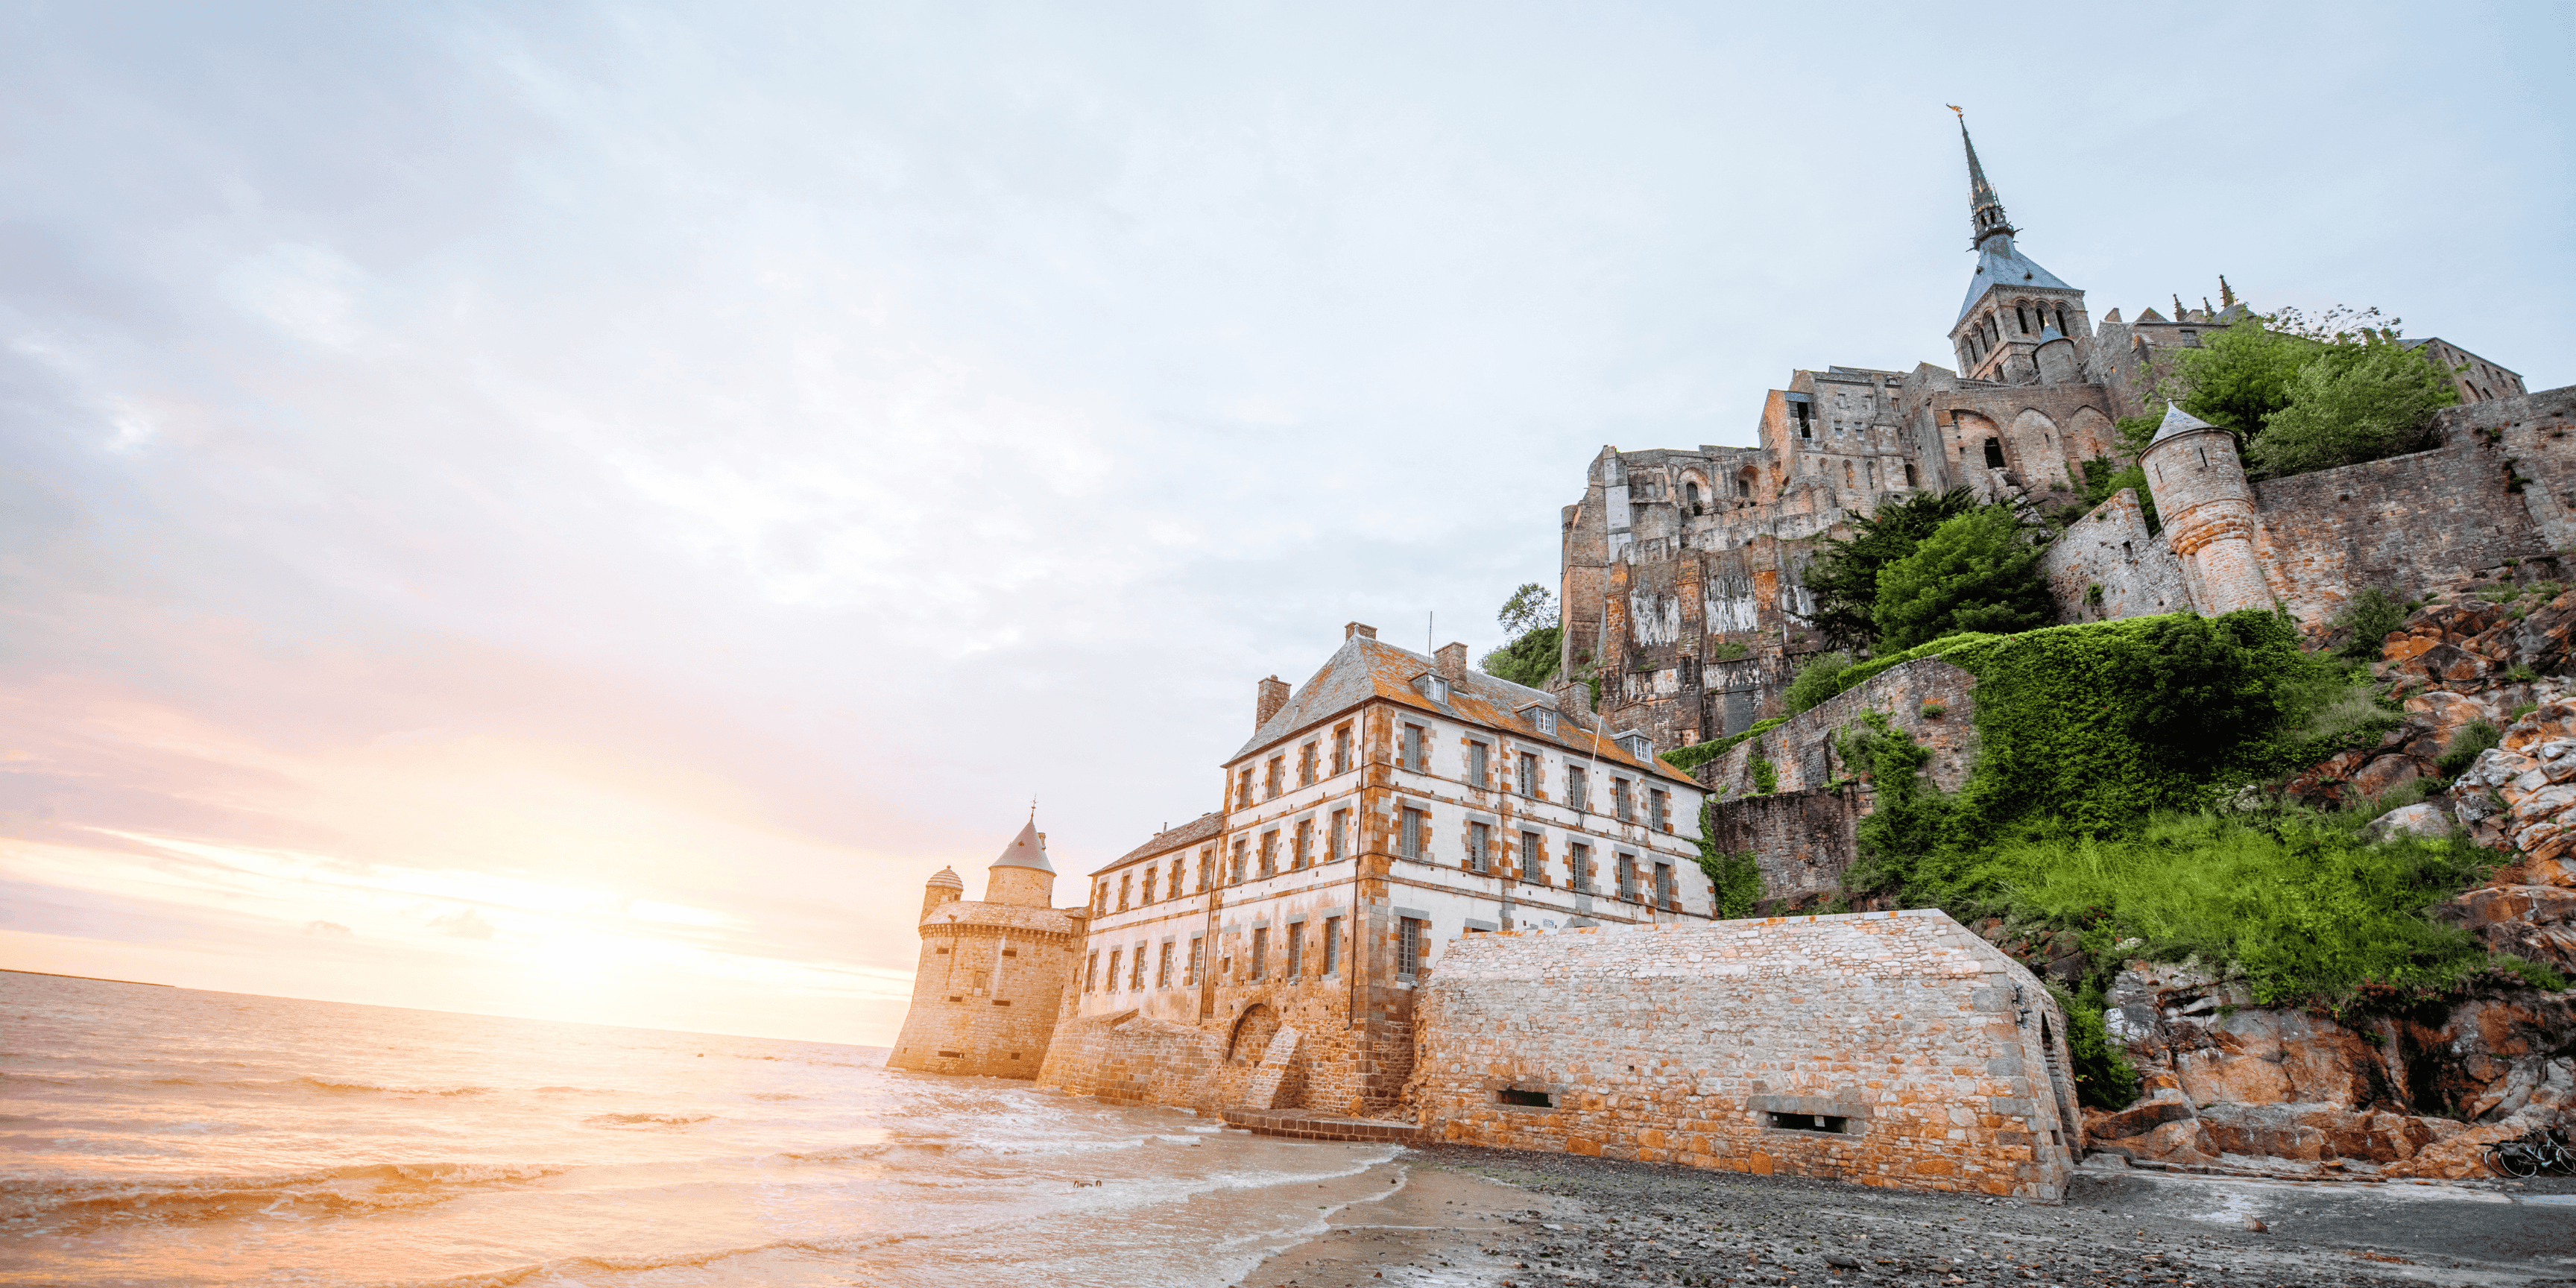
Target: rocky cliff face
[(2420, 1092)]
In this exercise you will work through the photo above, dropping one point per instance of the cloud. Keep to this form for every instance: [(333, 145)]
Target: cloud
[(464, 923), (330, 930)]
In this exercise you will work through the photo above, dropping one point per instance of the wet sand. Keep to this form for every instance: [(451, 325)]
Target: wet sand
[(1494, 1217)]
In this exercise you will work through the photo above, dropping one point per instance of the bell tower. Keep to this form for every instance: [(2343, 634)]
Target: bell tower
[(2020, 324)]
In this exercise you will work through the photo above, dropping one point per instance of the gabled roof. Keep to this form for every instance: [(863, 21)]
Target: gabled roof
[(2002, 264), (1027, 850), (1202, 828), (1365, 668), (2177, 421)]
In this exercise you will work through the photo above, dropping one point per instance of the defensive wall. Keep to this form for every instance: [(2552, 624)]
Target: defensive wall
[(2108, 565), (1802, 832), (1884, 1048)]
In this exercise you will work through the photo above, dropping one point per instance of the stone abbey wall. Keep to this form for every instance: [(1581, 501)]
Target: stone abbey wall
[(2108, 565), (2502, 486), (1893, 1049)]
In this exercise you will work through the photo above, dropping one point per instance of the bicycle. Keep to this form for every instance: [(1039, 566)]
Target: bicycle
[(2542, 1149)]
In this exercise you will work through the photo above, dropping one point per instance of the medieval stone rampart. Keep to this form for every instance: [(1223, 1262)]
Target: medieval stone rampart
[(1892, 1049), (2108, 565)]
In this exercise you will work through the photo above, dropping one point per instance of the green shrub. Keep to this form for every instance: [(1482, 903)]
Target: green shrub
[(1697, 754), (2352, 403), (2465, 746), (1766, 778), (1529, 660), (1843, 576), (1816, 681), (1736, 880), (1727, 651), (2370, 616)]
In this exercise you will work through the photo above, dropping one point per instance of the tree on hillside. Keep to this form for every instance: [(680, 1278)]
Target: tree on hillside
[(1976, 572), (2351, 403), (2238, 377), (1844, 574), (1530, 658)]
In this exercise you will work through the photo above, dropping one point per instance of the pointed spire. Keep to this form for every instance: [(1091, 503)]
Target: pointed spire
[(1027, 850), (2226, 293), (2177, 421), (1985, 209)]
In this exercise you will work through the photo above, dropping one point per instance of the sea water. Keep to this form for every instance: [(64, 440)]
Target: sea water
[(167, 1136)]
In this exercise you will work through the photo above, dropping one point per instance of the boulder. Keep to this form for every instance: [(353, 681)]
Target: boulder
[(2316, 1132), (2447, 713), (2537, 922), (2559, 872), (2551, 720), (2136, 1120), (2385, 774), (2414, 820)]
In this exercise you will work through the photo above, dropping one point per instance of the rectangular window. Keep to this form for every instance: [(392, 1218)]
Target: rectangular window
[(1332, 945), (1533, 859), (1341, 834), (1175, 881), (1115, 955), (1618, 798), (1260, 952), (1664, 885), (1197, 961), (1241, 850), (1277, 778), (1479, 836), (1306, 765), (1145, 888), (1627, 876), (1243, 788), (1578, 787), (1657, 817), (1305, 843), (1270, 853), (1412, 837), (1207, 867), (1413, 749), (1136, 970), (1103, 902), (1341, 750), (1163, 966), (1296, 949), (1408, 944), (1091, 965), (1578, 863), (1126, 879), (1479, 758), (1529, 774)]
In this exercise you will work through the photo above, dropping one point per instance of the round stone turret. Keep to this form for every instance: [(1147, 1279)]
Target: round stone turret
[(1022, 877), (944, 886), (2208, 511), (2056, 358)]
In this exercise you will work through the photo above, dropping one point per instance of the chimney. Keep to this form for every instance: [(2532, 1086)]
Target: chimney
[(1354, 628), (1452, 661), (1270, 695)]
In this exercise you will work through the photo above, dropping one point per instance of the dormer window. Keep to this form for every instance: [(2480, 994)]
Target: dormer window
[(1638, 745), (1541, 718), (1433, 687)]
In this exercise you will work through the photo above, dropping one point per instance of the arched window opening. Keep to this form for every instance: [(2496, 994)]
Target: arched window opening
[(2062, 328), (1847, 474), (1909, 475), (2023, 318), (1690, 492)]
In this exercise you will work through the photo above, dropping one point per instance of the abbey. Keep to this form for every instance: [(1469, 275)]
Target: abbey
[(1681, 569)]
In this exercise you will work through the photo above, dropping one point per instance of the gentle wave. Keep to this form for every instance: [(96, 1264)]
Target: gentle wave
[(646, 1120), (358, 1188)]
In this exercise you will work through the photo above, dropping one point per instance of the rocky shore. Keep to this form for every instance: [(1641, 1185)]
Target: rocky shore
[(1528, 1220)]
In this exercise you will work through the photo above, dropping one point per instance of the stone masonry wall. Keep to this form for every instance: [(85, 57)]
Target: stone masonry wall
[(987, 990), (1892, 1049), (2111, 548), (2502, 486)]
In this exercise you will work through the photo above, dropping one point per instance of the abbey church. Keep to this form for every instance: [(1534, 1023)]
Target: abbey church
[(1680, 580)]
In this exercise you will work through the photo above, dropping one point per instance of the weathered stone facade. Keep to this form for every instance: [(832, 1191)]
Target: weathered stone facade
[(1892, 1049), (1266, 954), (992, 974), (2108, 564)]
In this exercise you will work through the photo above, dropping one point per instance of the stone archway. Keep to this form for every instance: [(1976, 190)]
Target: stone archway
[(1252, 1034)]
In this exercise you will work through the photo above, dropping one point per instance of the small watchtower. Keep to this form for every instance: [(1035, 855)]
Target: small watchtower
[(2208, 510), (992, 971)]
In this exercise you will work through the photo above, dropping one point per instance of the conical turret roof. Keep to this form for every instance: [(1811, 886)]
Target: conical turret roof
[(1027, 850), (2177, 421)]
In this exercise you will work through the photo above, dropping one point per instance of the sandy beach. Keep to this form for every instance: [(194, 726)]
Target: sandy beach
[(1484, 1217)]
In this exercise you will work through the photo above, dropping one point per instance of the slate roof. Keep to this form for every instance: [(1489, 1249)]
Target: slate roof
[(1365, 668), (2177, 421), (1027, 850), (2001, 263), (1204, 827)]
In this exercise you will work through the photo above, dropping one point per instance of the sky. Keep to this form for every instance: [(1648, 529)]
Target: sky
[(576, 510)]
